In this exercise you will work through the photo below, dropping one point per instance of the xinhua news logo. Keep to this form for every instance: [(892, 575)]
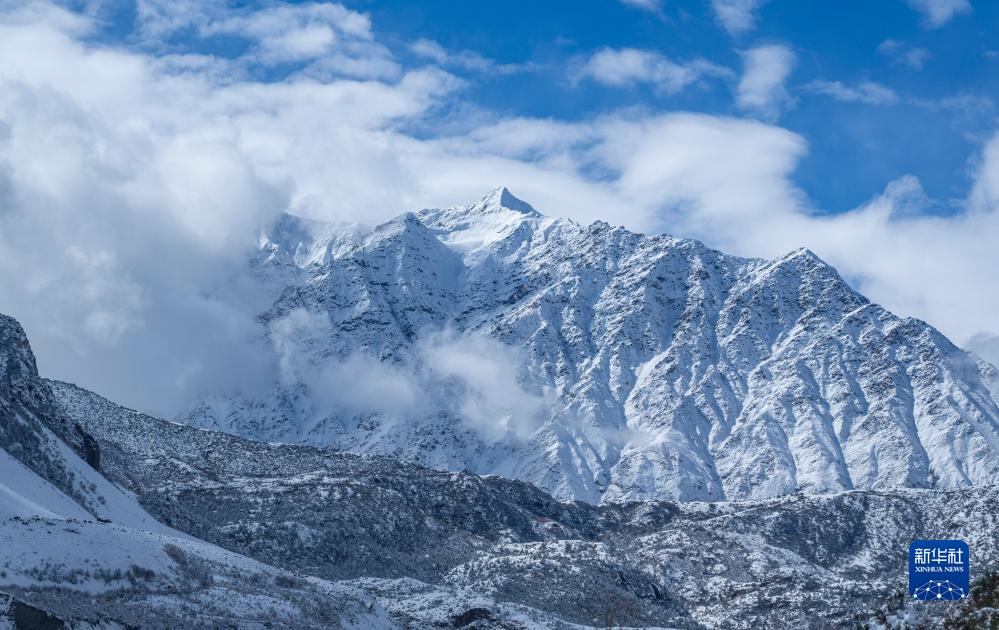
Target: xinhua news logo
[(938, 569)]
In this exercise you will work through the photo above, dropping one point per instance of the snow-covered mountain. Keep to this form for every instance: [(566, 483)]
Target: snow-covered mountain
[(603, 365), (249, 534)]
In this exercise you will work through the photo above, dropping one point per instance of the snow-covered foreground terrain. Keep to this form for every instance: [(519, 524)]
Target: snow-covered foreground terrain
[(250, 534), (603, 365)]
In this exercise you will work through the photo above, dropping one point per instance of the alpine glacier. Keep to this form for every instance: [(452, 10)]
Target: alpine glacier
[(600, 364)]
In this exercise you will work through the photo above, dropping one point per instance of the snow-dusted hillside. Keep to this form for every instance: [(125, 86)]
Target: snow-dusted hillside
[(75, 548), (601, 364)]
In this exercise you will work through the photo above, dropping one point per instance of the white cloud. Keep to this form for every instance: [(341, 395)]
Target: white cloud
[(298, 33), (936, 13), (985, 194), (356, 385), (336, 40), (435, 52), (702, 168), (490, 395), (157, 19), (621, 67), (478, 379), (651, 6), (131, 184), (737, 16), (867, 92), (902, 53), (761, 90)]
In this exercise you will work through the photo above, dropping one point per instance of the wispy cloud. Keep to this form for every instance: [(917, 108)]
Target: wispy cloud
[(474, 378), (463, 59), (902, 53), (737, 16), (985, 345), (327, 38), (867, 92), (622, 67), (761, 89), (936, 13), (159, 19), (652, 6)]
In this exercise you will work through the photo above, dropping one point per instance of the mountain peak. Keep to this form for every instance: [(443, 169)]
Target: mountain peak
[(493, 219), (406, 225), (502, 198)]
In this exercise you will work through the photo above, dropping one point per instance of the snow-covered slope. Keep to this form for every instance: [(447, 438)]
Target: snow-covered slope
[(23, 494), (35, 435), (602, 364)]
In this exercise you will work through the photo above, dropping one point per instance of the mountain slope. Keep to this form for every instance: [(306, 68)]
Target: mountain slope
[(604, 365), (77, 551)]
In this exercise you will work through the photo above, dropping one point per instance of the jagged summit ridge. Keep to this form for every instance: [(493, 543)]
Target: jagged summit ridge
[(502, 198), (497, 225), (663, 368)]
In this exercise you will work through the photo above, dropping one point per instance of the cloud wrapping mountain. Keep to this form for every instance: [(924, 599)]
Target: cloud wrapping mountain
[(601, 364)]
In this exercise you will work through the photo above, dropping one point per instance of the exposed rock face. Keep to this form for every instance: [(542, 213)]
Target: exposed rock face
[(22, 616), (646, 367), (31, 430)]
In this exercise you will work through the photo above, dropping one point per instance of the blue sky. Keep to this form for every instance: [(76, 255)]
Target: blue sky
[(144, 144), (855, 147)]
